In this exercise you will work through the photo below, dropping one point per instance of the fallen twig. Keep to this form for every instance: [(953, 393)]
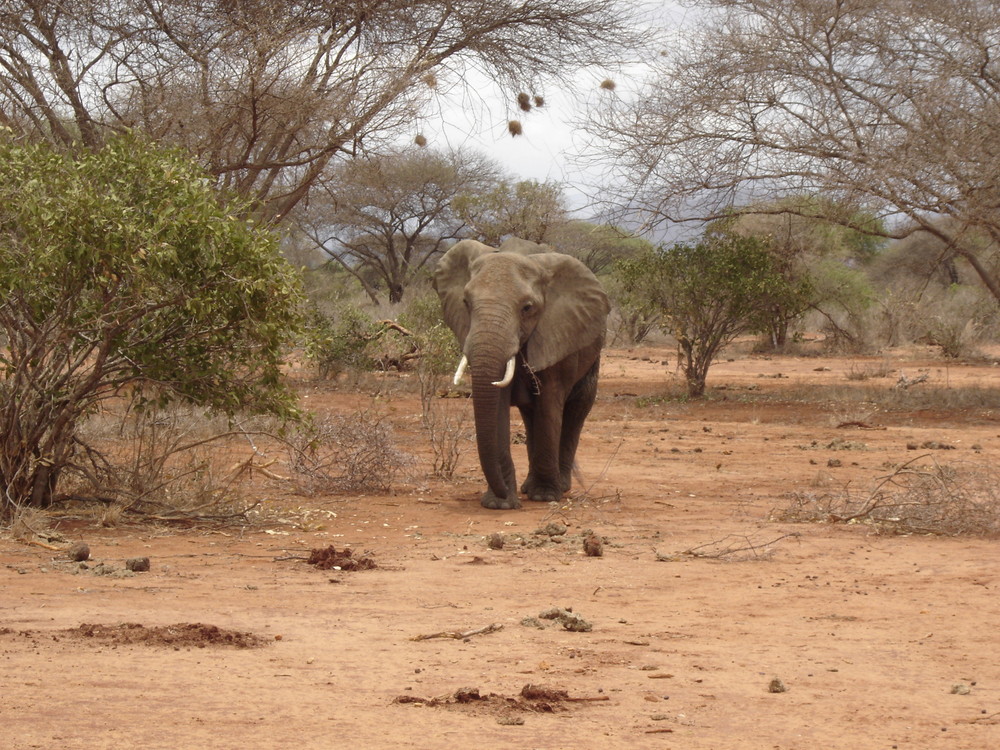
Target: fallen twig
[(749, 546), (460, 635), (859, 425)]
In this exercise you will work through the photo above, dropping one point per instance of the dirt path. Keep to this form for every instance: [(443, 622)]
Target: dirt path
[(701, 609)]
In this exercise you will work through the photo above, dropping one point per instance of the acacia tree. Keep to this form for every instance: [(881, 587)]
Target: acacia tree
[(122, 272), (383, 219), (890, 105), (705, 295), (527, 209), (267, 93), (820, 258), (598, 246)]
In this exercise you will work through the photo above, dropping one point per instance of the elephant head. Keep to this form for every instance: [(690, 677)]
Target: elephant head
[(516, 312)]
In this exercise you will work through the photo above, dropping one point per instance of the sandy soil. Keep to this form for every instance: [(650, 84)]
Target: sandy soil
[(710, 624)]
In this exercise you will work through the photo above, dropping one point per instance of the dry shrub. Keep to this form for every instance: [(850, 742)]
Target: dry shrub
[(944, 500), (445, 417), (958, 318), (28, 523), (449, 431), (169, 463), (346, 453), (870, 370)]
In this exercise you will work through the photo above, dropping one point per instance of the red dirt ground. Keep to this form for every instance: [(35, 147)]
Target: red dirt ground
[(698, 603)]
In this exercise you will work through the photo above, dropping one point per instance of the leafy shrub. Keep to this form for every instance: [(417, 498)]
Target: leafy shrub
[(342, 341), (121, 269)]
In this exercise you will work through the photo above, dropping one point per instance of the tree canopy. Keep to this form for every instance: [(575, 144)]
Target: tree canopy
[(889, 105), (267, 93), (528, 209), (384, 218)]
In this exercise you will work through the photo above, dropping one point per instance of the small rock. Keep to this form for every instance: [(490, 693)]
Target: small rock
[(137, 564), (776, 686), (467, 695), (495, 541), (593, 545), (79, 552), (575, 623), (567, 618), (960, 689), (551, 529)]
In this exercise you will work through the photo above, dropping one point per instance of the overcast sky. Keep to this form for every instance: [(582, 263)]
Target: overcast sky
[(540, 153), (546, 149)]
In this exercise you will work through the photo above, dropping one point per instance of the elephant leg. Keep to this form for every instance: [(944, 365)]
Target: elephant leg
[(489, 499), (543, 426), (578, 406), (528, 419)]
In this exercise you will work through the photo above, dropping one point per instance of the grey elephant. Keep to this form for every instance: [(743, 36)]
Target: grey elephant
[(531, 325)]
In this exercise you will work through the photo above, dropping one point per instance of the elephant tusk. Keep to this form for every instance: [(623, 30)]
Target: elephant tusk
[(460, 370), (507, 376)]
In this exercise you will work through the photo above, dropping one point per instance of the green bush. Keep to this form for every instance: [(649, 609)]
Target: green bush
[(342, 341), (707, 294), (122, 270)]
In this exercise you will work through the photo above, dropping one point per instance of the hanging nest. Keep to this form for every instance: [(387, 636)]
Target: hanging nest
[(539, 101), (430, 79), (608, 85), (420, 140), (514, 127), (524, 102)]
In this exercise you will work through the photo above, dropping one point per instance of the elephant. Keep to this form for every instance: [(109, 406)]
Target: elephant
[(531, 325)]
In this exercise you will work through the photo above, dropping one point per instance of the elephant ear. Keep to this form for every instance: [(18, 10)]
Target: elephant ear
[(576, 311), (450, 277)]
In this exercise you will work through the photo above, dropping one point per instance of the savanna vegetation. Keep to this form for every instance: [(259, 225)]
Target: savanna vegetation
[(832, 170)]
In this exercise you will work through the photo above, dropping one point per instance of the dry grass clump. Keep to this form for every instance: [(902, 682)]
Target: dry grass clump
[(176, 463), (870, 370), (346, 453), (937, 499)]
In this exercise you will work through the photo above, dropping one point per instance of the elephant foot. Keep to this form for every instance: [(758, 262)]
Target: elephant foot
[(542, 492), (495, 502)]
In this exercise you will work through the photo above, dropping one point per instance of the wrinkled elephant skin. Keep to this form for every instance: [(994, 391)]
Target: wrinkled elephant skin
[(531, 326)]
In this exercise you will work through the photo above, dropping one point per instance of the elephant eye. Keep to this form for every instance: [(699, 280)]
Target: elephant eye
[(527, 308)]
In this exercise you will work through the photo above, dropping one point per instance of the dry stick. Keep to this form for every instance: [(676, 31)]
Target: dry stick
[(491, 628), (693, 551)]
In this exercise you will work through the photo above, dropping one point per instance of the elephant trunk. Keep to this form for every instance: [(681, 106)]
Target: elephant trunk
[(490, 366), (487, 403)]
